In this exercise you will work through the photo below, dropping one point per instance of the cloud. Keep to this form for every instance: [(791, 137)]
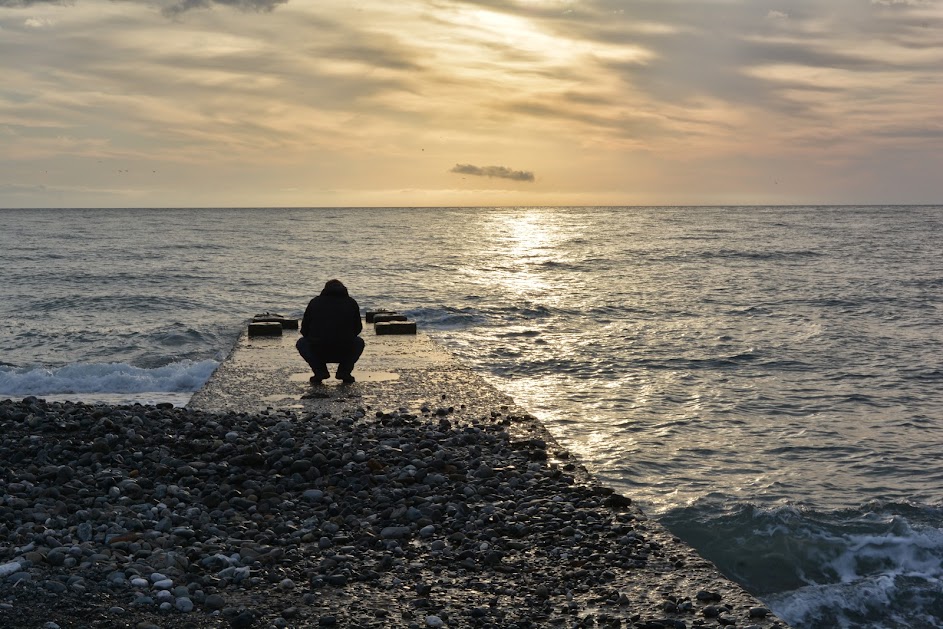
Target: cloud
[(19, 4), (620, 99), (257, 6), (37, 23), (501, 172), (175, 9)]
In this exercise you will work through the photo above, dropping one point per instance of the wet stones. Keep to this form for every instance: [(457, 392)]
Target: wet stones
[(395, 532), (708, 596), (10, 568)]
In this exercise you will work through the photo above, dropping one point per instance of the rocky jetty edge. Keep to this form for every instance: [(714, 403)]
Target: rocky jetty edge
[(143, 516)]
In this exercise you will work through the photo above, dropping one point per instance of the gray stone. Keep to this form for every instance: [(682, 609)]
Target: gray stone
[(84, 532), (395, 532), (10, 568), (184, 604), (214, 602), (56, 556)]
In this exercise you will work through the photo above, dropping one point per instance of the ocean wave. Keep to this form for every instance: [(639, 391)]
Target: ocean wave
[(112, 307), (877, 602), (877, 566), (585, 265), (923, 374), (518, 332), (734, 254), (447, 318), (183, 376), (721, 362)]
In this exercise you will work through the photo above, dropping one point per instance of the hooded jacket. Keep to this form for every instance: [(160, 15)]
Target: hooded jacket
[(333, 317)]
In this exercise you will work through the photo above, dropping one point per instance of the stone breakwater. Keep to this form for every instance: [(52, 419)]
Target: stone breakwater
[(137, 516)]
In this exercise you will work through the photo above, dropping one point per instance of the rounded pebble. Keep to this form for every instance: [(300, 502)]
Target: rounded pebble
[(184, 605)]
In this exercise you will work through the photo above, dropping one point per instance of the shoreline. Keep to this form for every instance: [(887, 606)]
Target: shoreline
[(418, 497), (394, 518)]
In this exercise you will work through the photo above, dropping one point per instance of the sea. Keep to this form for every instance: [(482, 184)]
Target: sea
[(765, 381)]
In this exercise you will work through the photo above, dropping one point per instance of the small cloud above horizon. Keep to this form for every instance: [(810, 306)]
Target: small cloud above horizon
[(257, 6), (501, 172)]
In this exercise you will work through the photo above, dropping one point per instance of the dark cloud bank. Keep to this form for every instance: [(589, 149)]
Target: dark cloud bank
[(502, 172)]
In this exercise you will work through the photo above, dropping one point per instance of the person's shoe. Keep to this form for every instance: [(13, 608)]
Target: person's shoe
[(315, 380), (346, 378)]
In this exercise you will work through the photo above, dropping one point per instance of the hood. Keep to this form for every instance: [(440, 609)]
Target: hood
[(334, 288)]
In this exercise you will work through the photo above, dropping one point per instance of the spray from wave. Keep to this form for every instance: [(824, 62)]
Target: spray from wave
[(113, 378), (877, 567)]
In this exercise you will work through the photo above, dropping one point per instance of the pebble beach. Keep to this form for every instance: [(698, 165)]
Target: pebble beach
[(421, 496), (147, 516)]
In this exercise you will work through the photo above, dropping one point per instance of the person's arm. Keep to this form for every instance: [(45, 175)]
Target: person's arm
[(307, 320), (355, 307)]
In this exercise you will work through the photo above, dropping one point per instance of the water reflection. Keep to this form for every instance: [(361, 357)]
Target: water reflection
[(523, 245)]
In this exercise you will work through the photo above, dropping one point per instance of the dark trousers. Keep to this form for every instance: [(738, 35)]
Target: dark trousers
[(317, 354)]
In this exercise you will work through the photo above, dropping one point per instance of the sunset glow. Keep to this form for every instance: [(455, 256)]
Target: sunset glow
[(289, 103)]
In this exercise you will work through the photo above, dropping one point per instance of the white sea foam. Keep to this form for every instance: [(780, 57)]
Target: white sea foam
[(807, 605), (108, 379), (876, 602), (880, 579), (907, 552)]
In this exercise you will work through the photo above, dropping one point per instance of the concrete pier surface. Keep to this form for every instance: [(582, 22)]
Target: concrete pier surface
[(441, 503), (395, 370)]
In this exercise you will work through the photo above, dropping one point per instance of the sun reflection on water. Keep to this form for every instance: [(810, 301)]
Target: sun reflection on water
[(523, 243)]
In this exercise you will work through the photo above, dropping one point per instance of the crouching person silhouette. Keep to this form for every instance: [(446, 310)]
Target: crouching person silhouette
[(330, 333)]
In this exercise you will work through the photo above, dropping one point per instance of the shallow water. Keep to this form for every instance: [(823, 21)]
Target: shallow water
[(765, 380)]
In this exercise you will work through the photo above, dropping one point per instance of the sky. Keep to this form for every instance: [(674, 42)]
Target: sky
[(276, 103)]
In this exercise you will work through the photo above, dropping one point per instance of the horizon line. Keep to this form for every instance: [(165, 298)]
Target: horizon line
[(465, 207)]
